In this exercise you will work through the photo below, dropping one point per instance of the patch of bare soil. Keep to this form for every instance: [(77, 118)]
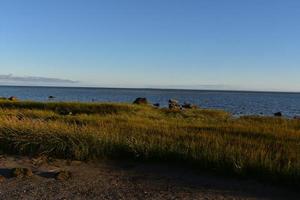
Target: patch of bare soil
[(60, 179)]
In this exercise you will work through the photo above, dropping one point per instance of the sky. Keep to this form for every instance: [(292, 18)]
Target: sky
[(193, 44)]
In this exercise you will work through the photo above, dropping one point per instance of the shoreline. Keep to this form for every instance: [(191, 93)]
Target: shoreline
[(53, 100)]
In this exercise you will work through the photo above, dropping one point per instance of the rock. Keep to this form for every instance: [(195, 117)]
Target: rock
[(63, 175), (141, 101), (21, 172), (174, 101), (297, 117), (156, 105), (13, 98), (189, 106), (2, 178), (174, 104), (51, 97), (278, 114)]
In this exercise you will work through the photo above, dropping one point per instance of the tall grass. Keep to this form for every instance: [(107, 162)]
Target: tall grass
[(264, 147)]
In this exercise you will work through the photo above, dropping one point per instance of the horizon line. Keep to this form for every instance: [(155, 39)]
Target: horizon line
[(154, 88)]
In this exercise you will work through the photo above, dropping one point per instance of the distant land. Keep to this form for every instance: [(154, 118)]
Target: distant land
[(151, 88), (40, 81)]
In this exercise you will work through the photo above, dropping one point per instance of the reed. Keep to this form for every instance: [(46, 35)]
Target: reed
[(252, 146)]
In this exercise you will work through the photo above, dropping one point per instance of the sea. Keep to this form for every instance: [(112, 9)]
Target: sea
[(236, 102)]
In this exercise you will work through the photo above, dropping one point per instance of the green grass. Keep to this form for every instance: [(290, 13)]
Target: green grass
[(261, 147)]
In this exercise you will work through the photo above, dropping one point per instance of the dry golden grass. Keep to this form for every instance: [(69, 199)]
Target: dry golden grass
[(263, 147)]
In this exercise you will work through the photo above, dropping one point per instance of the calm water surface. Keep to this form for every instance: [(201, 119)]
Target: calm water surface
[(238, 103)]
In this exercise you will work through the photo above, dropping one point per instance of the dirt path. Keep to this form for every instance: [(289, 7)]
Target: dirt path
[(124, 181)]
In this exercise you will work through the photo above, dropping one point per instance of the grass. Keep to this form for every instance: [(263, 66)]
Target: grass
[(261, 147)]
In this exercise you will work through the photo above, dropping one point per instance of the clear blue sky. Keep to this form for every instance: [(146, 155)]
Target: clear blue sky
[(232, 44)]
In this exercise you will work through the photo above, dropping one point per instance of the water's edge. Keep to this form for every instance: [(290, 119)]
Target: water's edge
[(236, 102)]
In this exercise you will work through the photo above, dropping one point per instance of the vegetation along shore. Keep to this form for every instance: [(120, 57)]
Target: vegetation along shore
[(266, 148)]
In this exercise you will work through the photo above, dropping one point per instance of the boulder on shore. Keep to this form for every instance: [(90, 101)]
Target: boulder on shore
[(13, 98), (278, 114), (156, 105), (141, 101), (174, 104), (51, 97), (189, 106)]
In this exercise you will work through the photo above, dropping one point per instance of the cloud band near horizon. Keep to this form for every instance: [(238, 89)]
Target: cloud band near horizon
[(34, 79)]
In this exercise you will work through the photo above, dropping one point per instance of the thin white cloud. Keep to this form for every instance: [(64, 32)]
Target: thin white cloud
[(9, 78)]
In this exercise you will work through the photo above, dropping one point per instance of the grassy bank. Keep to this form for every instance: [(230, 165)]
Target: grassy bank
[(264, 147)]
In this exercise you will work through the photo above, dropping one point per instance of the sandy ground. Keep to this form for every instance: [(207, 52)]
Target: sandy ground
[(111, 180)]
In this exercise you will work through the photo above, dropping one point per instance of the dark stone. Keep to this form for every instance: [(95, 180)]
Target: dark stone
[(5, 172), (278, 114), (13, 98), (156, 105), (51, 97), (141, 101), (174, 104), (189, 106), (173, 101)]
